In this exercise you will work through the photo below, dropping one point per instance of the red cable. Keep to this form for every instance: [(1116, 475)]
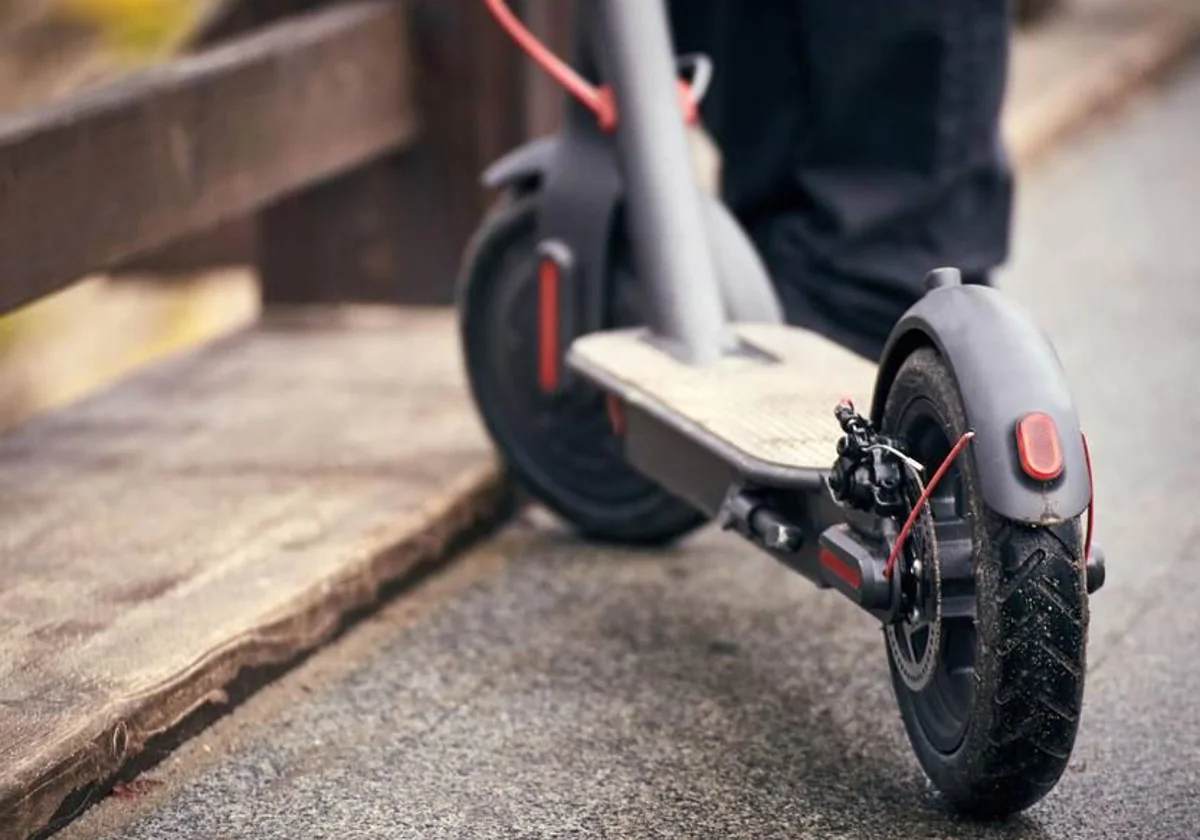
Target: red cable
[(560, 71), (1087, 540), (598, 99), (958, 447), (924, 500)]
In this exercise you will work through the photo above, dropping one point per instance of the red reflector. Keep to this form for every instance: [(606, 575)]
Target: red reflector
[(1038, 447), (841, 569), (616, 415), (548, 336)]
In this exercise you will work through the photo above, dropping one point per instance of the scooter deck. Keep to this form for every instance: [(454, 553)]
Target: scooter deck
[(769, 404)]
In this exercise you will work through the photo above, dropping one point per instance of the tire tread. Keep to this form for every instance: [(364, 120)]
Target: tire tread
[(1030, 652)]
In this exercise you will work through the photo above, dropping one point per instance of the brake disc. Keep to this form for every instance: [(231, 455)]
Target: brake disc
[(915, 640)]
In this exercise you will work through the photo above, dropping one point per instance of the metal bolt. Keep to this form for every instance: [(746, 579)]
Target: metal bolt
[(783, 538)]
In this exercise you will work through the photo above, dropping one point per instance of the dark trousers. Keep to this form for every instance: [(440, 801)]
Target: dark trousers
[(861, 143)]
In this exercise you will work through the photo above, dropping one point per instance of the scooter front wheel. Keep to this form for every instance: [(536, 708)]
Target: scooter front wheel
[(990, 700), (558, 446)]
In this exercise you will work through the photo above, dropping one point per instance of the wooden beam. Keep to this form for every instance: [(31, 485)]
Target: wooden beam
[(395, 231), (552, 21), (230, 243), (125, 169)]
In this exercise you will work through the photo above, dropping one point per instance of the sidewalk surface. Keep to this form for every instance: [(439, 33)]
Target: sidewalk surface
[(230, 508), (546, 688)]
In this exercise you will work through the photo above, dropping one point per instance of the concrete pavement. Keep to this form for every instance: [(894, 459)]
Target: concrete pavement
[(548, 688)]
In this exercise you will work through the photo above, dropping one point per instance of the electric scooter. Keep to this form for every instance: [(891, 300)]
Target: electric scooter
[(630, 359)]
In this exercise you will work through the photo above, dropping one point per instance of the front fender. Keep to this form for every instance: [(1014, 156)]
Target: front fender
[(581, 212), (525, 164), (1005, 368)]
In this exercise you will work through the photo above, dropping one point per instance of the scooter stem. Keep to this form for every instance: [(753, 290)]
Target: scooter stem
[(665, 219)]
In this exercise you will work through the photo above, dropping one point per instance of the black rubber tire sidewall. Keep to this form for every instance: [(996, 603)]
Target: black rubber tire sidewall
[(1030, 648)]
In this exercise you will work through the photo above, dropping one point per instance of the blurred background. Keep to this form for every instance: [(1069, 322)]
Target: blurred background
[(486, 100)]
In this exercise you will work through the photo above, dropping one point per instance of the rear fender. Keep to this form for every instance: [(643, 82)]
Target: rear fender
[(1005, 368)]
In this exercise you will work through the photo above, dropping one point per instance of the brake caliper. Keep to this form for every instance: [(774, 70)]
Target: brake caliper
[(872, 474), (869, 472)]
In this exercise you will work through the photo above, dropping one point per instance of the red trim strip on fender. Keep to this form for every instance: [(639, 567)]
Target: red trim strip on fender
[(1091, 508), (548, 334), (616, 414)]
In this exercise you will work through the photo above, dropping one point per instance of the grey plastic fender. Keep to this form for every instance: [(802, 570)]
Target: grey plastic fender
[(746, 286), (1005, 368), (523, 164)]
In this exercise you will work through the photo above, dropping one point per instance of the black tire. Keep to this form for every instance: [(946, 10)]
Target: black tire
[(560, 448), (996, 726)]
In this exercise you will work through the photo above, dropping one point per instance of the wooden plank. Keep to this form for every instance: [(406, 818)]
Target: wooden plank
[(395, 232), (223, 510), (553, 22), (121, 170), (229, 243), (70, 345), (354, 239)]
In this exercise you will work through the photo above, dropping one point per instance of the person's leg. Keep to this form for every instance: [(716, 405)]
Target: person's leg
[(755, 107), (862, 146)]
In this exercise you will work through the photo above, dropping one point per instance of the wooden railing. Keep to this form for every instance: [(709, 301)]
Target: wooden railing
[(336, 149)]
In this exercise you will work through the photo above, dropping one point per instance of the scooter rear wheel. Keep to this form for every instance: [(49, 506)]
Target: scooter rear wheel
[(996, 724), (559, 447)]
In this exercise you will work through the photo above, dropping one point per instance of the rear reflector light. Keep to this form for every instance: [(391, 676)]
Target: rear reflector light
[(1039, 448)]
